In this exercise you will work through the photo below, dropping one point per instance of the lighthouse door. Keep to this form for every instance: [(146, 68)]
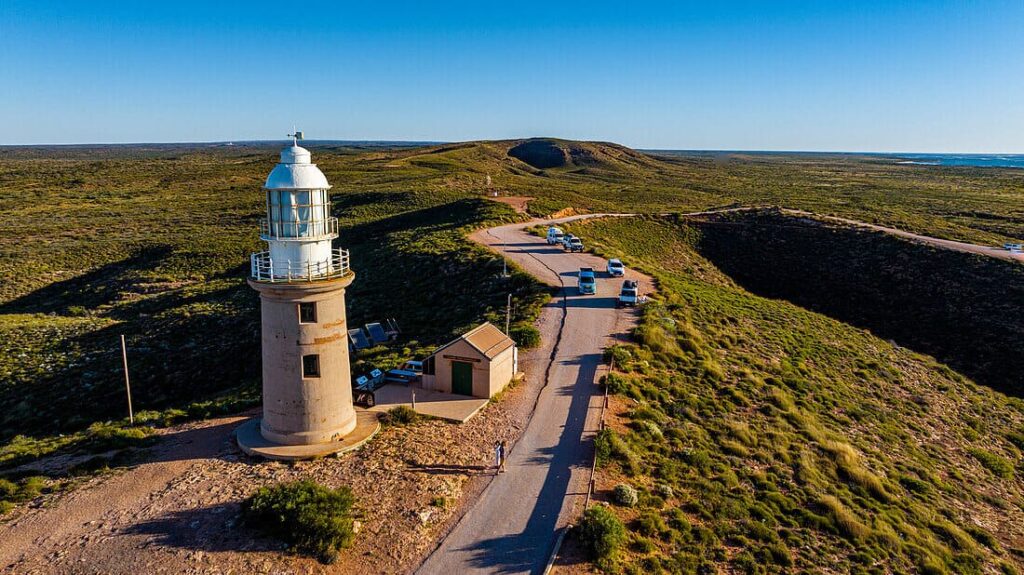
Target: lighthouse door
[(462, 378)]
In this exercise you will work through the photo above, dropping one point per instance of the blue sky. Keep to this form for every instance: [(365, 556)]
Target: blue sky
[(854, 76)]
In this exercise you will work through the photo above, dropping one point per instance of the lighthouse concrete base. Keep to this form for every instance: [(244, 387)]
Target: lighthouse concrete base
[(252, 442)]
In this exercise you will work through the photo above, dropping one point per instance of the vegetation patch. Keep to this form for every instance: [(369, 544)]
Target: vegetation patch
[(762, 437), (960, 308), (313, 519), (602, 534), (400, 415)]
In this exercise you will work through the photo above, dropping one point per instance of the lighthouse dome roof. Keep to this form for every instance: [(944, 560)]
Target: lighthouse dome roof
[(296, 172)]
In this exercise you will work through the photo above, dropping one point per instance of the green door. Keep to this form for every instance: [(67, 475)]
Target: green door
[(462, 378)]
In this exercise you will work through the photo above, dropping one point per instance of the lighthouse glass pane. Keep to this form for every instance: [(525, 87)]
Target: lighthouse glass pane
[(298, 214), (274, 212), (303, 215)]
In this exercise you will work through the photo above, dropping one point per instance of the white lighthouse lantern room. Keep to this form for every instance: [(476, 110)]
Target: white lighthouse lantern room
[(301, 278)]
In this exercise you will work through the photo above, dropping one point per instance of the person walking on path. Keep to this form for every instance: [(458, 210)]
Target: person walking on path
[(503, 450), (499, 456)]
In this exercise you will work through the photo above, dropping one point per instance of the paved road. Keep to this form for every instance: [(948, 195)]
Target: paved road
[(512, 527)]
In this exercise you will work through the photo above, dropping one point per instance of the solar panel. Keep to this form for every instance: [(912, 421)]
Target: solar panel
[(358, 339), (376, 332)]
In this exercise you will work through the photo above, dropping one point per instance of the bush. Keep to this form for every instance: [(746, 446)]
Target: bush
[(601, 533), (664, 490), (525, 335), (625, 495), (106, 436), (8, 490), (616, 384), (399, 415), (31, 487), (311, 518), (651, 524), (994, 463), (609, 445), (843, 519)]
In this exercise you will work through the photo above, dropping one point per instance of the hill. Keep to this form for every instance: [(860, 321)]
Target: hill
[(152, 242), (767, 438)]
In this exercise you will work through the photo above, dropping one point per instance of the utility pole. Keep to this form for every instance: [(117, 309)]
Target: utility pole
[(508, 313), (127, 382)]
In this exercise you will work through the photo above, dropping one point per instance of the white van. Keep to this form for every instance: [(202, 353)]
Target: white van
[(555, 236)]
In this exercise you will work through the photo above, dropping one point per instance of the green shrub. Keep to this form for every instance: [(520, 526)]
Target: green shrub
[(106, 436), (31, 487), (8, 490), (664, 490), (399, 415), (603, 448), (651, 524), (610, 446), (844, 520), (601, 533), (625, 495), (525, 335), (994, 463), (311, 518), (616, 384)]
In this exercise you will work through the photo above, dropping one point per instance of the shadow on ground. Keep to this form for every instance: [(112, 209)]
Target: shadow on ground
[(529, 550), (963, 309)]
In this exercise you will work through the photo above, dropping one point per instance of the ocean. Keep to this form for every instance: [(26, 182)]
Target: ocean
[(976, 160)]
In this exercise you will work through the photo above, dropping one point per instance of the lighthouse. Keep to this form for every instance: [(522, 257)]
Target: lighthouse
[(301, 279)]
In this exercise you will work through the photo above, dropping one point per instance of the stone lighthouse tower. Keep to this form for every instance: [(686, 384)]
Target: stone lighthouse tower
[(307, 391)]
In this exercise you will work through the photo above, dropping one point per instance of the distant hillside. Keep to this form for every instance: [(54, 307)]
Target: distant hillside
[(765, 438), (547, 153)]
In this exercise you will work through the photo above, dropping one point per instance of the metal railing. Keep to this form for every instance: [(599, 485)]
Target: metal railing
[(265, 269), (299, 230)]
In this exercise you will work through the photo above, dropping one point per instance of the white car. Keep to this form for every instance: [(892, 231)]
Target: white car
[(615, 268), (555, 236), (630, 294)]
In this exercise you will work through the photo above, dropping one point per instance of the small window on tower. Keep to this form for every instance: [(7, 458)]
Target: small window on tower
[(311, 365), (307, 312)]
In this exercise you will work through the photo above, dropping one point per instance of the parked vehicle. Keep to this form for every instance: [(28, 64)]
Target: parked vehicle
[(555, 236), (630, 294), (575, 245), (615, 268), (402, 376), (413, 365), (587, 282)]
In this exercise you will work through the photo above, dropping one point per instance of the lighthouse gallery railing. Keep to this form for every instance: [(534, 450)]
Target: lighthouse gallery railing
[(265, 269)]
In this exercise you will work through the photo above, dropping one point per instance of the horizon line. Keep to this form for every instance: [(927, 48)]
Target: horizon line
[(442, 142)]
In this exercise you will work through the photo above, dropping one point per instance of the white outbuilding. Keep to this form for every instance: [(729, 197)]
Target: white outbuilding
[(479, 363)]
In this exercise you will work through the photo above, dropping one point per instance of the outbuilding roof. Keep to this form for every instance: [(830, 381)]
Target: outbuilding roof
[(485, 338)]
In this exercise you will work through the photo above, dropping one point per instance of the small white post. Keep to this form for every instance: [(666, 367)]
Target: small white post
[(127, 382), (413, 390), (508, 313)]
